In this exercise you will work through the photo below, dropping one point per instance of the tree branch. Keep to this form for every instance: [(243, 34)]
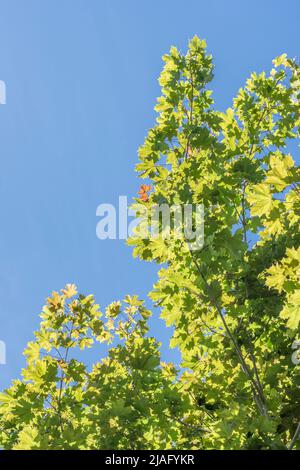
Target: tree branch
[(295, 437)]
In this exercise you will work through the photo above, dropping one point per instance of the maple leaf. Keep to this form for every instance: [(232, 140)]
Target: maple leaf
[(69, 291), (143, 192), (55, 301)]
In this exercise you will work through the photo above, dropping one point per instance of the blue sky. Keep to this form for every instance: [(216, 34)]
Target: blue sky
[(81, 78)]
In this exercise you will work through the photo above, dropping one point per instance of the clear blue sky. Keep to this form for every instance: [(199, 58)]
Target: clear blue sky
[(81, 79)]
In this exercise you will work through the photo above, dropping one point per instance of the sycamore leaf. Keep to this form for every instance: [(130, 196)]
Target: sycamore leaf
[(281, 60), (27, 438), (276, 277), (70, 290), (32, 352), (260, 198), (291, 311), (278, 174)]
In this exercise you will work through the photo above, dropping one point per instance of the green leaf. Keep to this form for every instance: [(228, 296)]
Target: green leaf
[(260, 198)]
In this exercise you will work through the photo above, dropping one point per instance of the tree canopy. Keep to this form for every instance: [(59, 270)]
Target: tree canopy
[(234, 304)]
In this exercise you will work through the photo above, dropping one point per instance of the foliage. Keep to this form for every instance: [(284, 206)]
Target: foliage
[(234, 304), (125, 401)]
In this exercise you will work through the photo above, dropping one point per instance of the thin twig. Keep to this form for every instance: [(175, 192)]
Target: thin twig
[(295, 437)]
